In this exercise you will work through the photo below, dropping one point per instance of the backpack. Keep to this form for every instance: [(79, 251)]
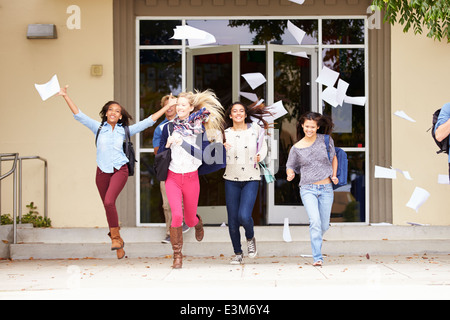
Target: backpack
[(443, 145), (342, 170), (128, 149)]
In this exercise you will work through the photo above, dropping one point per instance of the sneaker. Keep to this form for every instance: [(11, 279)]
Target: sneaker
[(237, 259), (251, 246), (185, 228), (166, 239)]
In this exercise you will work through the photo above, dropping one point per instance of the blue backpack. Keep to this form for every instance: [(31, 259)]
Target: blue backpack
[(342, 170)]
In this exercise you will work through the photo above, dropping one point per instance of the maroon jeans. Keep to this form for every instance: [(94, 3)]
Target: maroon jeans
[(109, 186)]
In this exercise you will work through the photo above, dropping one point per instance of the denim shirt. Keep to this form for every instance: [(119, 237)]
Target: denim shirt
[(443, 118), (110, 153)]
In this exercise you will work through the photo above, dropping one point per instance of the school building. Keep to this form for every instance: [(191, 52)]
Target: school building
[(123, 50)]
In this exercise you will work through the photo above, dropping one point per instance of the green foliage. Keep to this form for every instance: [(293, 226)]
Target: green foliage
[(432, 14), (31, 217)]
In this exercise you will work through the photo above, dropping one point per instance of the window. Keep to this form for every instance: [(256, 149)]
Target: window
[(339, 43)]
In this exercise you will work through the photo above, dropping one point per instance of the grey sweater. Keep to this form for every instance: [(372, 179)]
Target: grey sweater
[(312, 163)]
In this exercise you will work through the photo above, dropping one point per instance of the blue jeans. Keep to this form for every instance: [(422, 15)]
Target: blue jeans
[(240, 197), (318, 200)]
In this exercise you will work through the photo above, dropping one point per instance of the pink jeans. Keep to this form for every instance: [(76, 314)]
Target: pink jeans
[(183, 191)]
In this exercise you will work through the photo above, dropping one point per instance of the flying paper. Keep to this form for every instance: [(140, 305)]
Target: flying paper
[(196, 37), (403, 115), (385, 173), (48, 89), (418, 198), (254, 79), (286, 232), (250, 96), (360, 101), (405, 173), (301, 54), (327, 77), (277, 110), (443, 179), (330, 95), (297, 1), (296, 32), (341, 91)]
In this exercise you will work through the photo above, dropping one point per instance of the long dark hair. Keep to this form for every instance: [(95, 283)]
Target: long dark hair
[(125, 121), (324, 122), (252, 111)]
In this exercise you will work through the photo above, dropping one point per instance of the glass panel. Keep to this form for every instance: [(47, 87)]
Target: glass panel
[(256, 32), (253, 61), (292, 76), (349, 119), (158, 32), (215, 72), (159, 74), (343, 31), (150, 197), (350, 201)]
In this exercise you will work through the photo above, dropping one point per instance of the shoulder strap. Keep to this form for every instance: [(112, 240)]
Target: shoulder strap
[(327, 144), (127, 138), (98, 132)]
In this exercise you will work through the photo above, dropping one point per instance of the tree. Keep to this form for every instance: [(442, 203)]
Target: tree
[(433, 14)]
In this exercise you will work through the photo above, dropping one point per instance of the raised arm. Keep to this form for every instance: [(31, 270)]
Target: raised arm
[(72, 106)]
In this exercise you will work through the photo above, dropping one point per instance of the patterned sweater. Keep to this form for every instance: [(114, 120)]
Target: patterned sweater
[(241, 165)]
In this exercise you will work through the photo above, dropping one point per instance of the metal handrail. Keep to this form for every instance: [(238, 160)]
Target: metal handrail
[(15, 157)]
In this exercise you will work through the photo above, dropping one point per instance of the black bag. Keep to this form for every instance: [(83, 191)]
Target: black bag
[(443, 145), (162, 160), (128, 149)]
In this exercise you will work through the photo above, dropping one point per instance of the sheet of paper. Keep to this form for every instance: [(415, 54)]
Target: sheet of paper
[(286, 232), (48, 89), (250, 96), (301, 54), (405, 173), (254, 79), (403, 115), (418, 198), (330, 95), (327, 77), (385, 173), (277, 110), (360, 101), (341, 91), (443, 179), (196, 37), (298, 33), (297, 1)]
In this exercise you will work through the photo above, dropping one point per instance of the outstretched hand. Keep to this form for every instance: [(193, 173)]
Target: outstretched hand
[(63, 91)]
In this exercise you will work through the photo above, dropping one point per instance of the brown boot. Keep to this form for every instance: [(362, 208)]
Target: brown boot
[(116, 242), (176, 239), (199, 232)]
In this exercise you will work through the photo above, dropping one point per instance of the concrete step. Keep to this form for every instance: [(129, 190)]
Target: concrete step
[(79, 243)]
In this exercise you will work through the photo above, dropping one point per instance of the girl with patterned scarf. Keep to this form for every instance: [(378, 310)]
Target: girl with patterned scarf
[(199, 121)]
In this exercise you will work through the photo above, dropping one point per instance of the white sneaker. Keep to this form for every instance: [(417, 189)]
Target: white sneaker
[(251, 246), (237, 259)]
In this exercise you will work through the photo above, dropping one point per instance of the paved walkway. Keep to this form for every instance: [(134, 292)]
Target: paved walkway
[(211, 278)]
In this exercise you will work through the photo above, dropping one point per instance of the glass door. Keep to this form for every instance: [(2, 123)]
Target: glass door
[(215, 68), (291, 79)]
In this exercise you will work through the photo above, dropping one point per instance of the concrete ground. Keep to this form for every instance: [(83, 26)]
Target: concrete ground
[(418, 276)]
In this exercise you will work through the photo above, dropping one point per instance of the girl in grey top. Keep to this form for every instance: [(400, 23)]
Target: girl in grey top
[(309, 158)]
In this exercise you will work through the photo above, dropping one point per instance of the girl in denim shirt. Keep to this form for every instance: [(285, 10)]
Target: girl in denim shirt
[(309, 158), (112, 169)]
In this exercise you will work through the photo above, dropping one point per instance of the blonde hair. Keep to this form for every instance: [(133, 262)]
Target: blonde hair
[(164, 100), (207, 99)]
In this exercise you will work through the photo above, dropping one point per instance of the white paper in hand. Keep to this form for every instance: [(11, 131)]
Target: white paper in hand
[(48, 89)]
